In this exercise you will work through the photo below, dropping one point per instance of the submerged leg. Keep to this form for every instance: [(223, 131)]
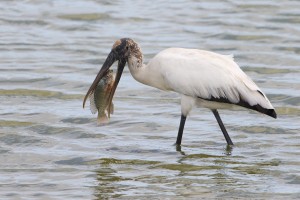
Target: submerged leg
[(217, 116), (180, 131)]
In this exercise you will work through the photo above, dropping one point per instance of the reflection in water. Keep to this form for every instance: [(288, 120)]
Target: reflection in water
[(107, 184), (120, 178), (51, 148)]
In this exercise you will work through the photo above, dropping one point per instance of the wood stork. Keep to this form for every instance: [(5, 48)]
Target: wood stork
[(203, 78)]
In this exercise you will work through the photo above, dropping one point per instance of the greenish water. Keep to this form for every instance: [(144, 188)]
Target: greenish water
[(51, 148)]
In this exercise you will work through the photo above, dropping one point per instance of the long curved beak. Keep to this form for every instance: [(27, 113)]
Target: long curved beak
[(111, 58), (121, 66)]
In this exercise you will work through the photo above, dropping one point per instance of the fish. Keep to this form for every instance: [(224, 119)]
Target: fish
[(99, 98)]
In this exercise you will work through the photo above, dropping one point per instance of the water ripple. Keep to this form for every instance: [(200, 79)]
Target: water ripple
[(50, 52)]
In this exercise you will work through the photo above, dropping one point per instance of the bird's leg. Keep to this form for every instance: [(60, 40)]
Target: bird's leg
[(180, 131), (217, 116)]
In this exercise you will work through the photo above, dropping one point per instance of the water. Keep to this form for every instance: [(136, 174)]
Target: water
[(50, 148)]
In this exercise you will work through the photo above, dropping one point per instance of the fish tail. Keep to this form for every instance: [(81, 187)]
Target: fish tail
[(102, 118)]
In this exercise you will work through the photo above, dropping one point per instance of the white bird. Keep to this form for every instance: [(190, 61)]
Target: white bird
[(203, 78)]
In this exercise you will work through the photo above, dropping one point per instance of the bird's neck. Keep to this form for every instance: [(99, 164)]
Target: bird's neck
[(138, 69), (144, 73)]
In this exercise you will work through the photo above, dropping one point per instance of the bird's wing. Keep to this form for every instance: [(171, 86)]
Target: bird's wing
[(209, 76)]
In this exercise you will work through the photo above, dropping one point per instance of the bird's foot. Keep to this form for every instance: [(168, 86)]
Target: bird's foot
[(178, 148), (228, 149)]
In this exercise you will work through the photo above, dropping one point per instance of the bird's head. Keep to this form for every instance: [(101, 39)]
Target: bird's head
[(122, 51)]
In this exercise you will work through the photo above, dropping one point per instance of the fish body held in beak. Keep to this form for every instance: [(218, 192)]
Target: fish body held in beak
[(99, 98), (118, 53)]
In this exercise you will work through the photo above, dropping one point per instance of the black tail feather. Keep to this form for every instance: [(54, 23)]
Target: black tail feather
[(257, 107), (270, 112)]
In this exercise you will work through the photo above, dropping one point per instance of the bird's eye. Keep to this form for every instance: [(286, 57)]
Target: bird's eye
[(127, 47)]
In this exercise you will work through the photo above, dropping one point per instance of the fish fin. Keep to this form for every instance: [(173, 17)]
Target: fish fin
[(93, 107), (109, 109), (112, 108), (102, 118)]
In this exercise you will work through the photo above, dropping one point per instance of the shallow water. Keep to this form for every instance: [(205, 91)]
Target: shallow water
[(50, 148)]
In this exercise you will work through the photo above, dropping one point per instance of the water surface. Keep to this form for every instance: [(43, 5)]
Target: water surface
[(50, 148)]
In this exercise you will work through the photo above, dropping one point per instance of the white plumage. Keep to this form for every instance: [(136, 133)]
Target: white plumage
[(202, 75), (202, 78)]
